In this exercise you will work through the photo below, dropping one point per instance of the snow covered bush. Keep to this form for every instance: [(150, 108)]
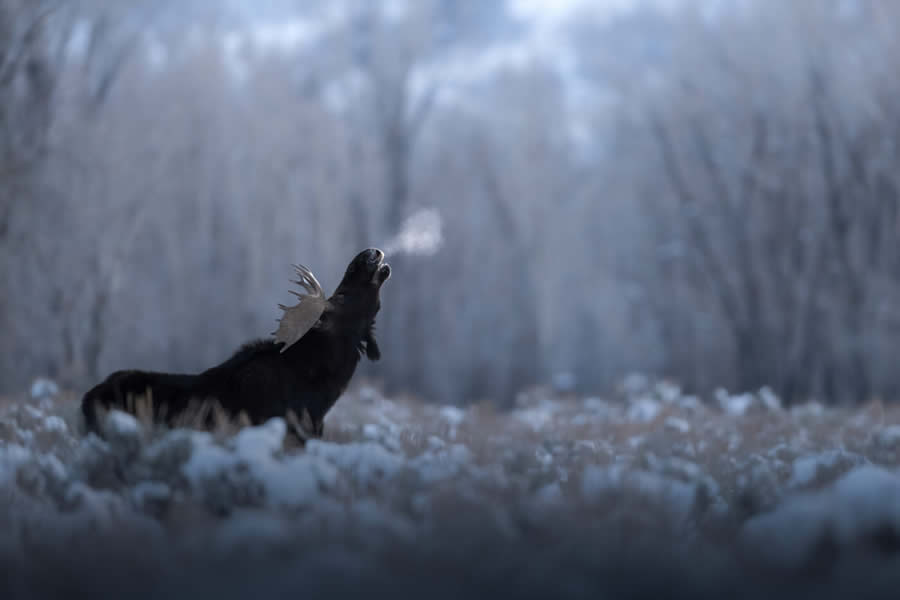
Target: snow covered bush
[(699, 492)]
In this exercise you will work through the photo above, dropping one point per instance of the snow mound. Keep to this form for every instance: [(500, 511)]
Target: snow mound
[(43, 388), (652, 463), (765, 401), (862, 508), (674, 496), (808, 469)]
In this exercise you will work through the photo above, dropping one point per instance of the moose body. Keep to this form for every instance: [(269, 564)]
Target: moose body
[(298, 376)]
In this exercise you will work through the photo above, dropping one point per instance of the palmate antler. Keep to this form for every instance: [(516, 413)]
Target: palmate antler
[(297, 320)]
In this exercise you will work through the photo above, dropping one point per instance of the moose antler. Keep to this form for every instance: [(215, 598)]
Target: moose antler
[(297, 320)]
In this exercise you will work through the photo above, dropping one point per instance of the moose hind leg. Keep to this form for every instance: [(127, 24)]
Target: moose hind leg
[(128, 391)]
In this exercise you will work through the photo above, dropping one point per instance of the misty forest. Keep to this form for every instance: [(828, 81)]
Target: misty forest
[(705, 192), (641, 301)]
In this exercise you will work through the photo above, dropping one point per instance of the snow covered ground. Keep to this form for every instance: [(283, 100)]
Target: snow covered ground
[(651, 492)]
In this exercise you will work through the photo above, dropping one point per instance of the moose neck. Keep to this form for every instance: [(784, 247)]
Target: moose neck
[(345, 319)]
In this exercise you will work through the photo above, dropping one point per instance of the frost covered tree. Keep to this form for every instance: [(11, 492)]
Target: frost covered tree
[(768, 193), (701, 193)]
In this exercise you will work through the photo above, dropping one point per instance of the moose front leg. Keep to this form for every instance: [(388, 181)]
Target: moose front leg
[(304, 428)]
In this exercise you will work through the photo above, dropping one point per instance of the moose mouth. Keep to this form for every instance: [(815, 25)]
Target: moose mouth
[(383, 273), (380, 269)]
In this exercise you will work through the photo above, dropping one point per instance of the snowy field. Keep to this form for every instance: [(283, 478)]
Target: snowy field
[(648, 493)]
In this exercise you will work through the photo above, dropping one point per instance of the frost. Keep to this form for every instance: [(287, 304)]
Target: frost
[(441, 464), (769, 399), (223, 472), (635, 383), (11, 457), (152, 496), (810, 409), (860, 503), (691, 404), (543, 457), (54, 423), (374, 516), (654, 463), (150, 491), (105, 511), (52, 466), (34, 412), (677, 424), (259, 443), (807, 469), (250, 527), (677, 497), (564, 382), (889, 437), (549, 495), (597, 480), (643, 410), (122, 425), (734, 405), (742, 404), (207, 458), (668, 392), (293, 483), (538, 416), (452, 415), (595, 405), (460, 453), (43, 388), (366, 462)]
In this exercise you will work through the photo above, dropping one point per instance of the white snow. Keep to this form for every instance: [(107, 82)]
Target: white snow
[(11, 456), (399, 468), (259, 443), (55, 423), (643, 410), (453, 415), (293, 483), (122, 424), (365, 462), (734, 405), (677, 424), (889, 437), (859, 503), (537, 416), (635, 383), (807, 468), (549, 495), (248, 527), (208, 459), (769, 399), (43, 388), (146, 494), (674, 496)]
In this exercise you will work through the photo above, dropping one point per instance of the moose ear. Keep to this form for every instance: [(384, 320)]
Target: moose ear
[(299, 319), (373, 352)]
